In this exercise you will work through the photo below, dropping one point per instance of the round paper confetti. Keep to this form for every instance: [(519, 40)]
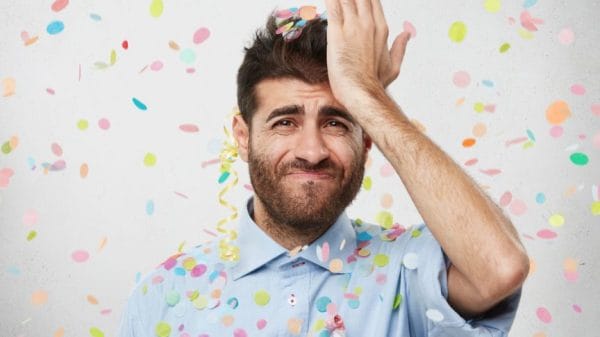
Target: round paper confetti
[(578, 89), (381, 260), (505, 199), (294, 326), (55, 27), (546, 234), (82, 124), (30, 217), (543, 314), (322, 302), (103, 123), (156, 8), (201, 35), (387, 200), (149, 159), (56, 149), (84, 170), (504, 47), (556, 131), (80, 256), (262, 297), (479, 130), (492, 6), (595, 109), (261, 324), (239, 333), (187, 56), (59, 5), (461, 79), (95, 332), (60, 332), (595, 208), (139, 104), (457, 32), (162, 329), (191, 128), (156, 66), (518, 207), (385, 219), (556, 220), (579, 158), (566, 36), (336, 265), (410, 261), (39, 297), (558, 112)]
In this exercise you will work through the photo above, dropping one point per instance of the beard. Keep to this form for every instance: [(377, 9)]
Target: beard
[(313, 204)]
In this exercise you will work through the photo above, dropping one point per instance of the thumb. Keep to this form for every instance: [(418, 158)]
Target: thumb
[(397, 52)]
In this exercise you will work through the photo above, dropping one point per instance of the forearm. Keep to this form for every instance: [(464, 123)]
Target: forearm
[(480, 241)]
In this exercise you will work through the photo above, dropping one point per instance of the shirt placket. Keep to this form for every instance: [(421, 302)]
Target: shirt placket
[(294, 300)]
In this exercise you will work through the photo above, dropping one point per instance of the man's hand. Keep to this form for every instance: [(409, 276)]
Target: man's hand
[(358, 58)]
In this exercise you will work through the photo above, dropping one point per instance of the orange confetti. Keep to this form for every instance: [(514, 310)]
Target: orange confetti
[(91, 299), (216, 293), (14, 142), (173, 45), (307, 12), (558, 112), (39, 297), (479, 130), (468, 142), (460, 101), (84, 170), (102, 243), (60, 332), (570, 265), (9, 86)]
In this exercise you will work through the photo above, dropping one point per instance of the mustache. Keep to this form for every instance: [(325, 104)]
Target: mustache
[(303, 165)]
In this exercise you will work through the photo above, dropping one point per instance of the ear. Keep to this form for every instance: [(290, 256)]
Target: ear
[(241, 133)]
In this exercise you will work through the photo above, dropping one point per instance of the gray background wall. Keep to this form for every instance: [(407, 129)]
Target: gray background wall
[(72, 244)]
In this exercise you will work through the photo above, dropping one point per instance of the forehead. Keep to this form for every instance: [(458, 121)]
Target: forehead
[(275, 93)]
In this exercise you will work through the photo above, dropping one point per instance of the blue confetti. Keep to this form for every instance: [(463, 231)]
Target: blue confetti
[(488, 83), (364, 236), (540, 198), (179, 271), (13, 270), (95, 17), (530, 134), (529, 3), (223, 177), (55, 27), (138, 277), (139, 104), (150, 207)]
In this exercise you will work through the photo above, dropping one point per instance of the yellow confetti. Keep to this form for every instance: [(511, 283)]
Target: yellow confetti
[(492, 6), (156, 8), (9, 86), (113, 57), (457, 32)]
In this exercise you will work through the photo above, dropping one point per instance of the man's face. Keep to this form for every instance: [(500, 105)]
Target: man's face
[(306, 154)]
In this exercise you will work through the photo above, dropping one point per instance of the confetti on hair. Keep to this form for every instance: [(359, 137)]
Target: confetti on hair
[(290, 22), (228, 155)]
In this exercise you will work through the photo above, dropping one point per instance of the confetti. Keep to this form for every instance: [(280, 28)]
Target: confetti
[(468, 142), (504, 47), (156, 8), (543, 314), (30, 218), (82, 124), (457, 32), (461, 79), (5, 175), (578, 89), (492, 6), (262, 298), (56, 149), (80, 256), (8, 86), (31, 235), (187, 56), (156, 66), (558, 112), (27, 39), (518, 207), (190, 128), (201, 35), (60, 332), (566, 36), (150, 207), (55, 27), (39, 297), (103, 123), (579, 159), (546, 234), (139, 104), (59, 5), (528, 22)]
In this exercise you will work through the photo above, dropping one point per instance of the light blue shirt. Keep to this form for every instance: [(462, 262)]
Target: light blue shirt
[(355, 280)]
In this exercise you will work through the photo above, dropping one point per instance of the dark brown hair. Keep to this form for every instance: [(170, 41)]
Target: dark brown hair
[(270, 56)]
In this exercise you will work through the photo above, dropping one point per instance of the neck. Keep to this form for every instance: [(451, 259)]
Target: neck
[(285, 235)]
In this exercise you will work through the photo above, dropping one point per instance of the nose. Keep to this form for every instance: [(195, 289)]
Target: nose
[(311, 146)]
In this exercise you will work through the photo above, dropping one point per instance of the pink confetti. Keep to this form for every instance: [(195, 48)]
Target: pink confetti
[(576, 308), (156, 66), (543, 314), (490, 107), (201, 35), (515, 141), (596, 140), (56, 149), (210, 162), (105, 311), (157, 279), (59, 5), (190, 70), (30, 218), (5, 175), (505, 199), (198, 270), (104, 124), (169, 263), (80, 256), (566, 36), (181, 195), (209, 232), (518, 207), (381, 279), (410, 28), (386, 170), (556, 131), (461, 79), (491, 172), (249, 187), (546, 234), (578, 89), (596, 109), (528, 22), (324, 252), (261, 324), (188, 128), (240, 333), (58, 165), (50, 91), (471, 162), (571, 276)]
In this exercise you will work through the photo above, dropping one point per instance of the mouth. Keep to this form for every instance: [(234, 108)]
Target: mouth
[(311, 175)]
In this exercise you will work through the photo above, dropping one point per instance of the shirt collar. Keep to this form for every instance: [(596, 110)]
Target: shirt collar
[(257, 248)]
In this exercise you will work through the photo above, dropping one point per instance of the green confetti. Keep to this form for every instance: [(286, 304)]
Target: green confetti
[(31, 235), (385, 219), (579, 158), (95, 332), (397, 301), (367, 183), (6, 148), (504, 47), (415, 233)]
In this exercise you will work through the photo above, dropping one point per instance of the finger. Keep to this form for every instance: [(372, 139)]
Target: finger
[(349, 10), (378, 15), (381, 27), (397, 52), (334, 13), (364, 9)]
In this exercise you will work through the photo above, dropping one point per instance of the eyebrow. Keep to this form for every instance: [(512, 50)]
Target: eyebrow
[(326, 111)]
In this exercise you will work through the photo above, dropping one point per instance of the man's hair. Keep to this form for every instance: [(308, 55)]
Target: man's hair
[(270, 56)]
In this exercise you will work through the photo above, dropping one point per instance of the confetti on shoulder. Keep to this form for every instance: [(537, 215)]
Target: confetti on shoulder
[(139, 104)]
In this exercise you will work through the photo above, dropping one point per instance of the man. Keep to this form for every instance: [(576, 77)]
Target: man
[(312, 100)]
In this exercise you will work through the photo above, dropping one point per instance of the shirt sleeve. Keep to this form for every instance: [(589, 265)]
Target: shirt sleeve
[(425, 273), (131, 324)]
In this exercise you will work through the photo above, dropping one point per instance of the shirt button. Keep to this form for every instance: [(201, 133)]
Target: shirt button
[(292, 300)]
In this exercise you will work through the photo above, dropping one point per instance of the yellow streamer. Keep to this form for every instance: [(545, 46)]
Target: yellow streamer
[(228, 155)]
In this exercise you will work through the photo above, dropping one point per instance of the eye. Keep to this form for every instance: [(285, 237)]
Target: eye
[(336, 124), (283, 123)]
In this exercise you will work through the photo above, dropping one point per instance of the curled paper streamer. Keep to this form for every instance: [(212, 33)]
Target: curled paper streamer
[(227, 250)]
